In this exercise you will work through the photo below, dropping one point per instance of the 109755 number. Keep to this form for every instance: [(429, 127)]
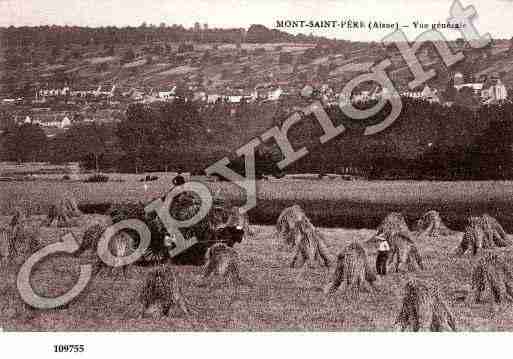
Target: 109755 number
[(69, 348)]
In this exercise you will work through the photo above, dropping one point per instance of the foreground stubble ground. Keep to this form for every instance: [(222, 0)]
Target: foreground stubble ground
[(280, 298)]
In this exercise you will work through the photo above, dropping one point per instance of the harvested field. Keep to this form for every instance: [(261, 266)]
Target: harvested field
[(276, 300), (331, 203)]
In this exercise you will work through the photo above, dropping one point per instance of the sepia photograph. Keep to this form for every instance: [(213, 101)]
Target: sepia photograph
[(263, 166)]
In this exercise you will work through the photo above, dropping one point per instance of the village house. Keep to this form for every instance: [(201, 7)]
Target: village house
[(56, 120), (102, 116), (200, 96), (458, 79), (83, 92), (234, 98), (64, 91), (427, 94), (214, 98), (490, 91), (135, 94), (494, 91), (107, 90), (274, 95), (476, 87), (12, 101), (167, 94)]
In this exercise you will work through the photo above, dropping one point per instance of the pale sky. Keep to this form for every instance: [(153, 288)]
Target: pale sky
[(495, 16)]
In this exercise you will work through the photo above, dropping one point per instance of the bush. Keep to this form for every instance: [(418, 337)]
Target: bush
[(97, 178)]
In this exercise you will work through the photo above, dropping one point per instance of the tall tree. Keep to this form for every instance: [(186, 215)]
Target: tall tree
[(88, 140), (23, 143), (137, 134), (161, 135)]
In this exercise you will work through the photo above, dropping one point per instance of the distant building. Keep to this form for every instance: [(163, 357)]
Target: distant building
[(458, 79), (106, 90), (11, 101), (199, 96), (213, 98), (252, 97), (234, 99), (427, 94), (494, 92), (167, 95), (83, 92), (137, 95), (54, 92), (66, 122), (476, 87), (307, 91), (274, 95), (57, 120), (491, 91)]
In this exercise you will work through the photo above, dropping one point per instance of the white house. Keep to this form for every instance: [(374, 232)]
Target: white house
[(199, 96), (83, 92), (66, 122), (54, 92), (458, 79), (252, 97), (495, 93), (137, 95), (213, 98), (426, 94), (167, 94), (234, 98), (430, 95), (274, 95), (105, 90), (476, 87)]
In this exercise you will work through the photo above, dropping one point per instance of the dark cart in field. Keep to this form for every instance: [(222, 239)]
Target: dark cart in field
[(216, 227)]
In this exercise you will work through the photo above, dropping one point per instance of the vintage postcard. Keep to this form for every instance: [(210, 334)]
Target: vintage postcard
[(263, 166)]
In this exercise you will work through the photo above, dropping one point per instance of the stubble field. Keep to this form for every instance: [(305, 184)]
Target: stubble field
[(331, 203), (278, 297)]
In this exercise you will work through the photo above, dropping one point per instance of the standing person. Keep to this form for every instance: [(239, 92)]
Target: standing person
[(382, 258)]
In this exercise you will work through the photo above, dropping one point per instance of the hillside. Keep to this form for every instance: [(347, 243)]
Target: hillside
[(158, 61)]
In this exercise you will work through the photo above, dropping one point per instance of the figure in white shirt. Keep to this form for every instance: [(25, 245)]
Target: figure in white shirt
[(382, 258)]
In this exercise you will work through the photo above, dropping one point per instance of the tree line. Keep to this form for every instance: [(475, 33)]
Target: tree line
[(60, 36), (427, 141)]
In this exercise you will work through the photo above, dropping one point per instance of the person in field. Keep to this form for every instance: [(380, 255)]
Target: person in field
[(382, 258)]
